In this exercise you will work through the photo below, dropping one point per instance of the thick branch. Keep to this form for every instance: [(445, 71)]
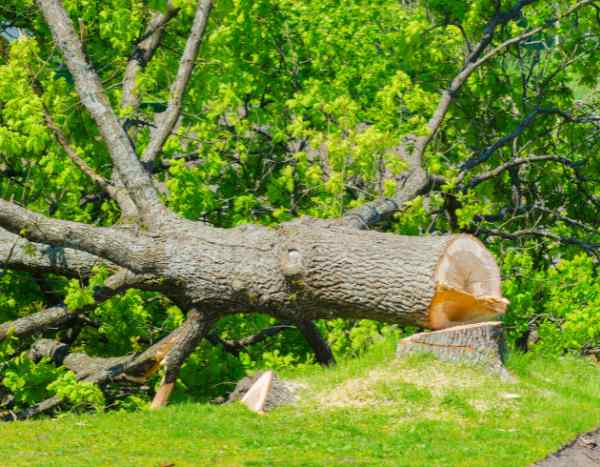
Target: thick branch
[(92, 95), (414, 183), (323, 353), (166, 121), (473, 61), (117, 246), (21, 255), (417, 181), (131, 367), (49, 318)]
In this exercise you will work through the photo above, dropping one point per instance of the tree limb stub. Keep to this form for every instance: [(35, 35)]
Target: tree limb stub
[(192, 332)]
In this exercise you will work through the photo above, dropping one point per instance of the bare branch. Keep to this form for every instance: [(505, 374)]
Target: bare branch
[(235, 347), (137, 368), (475, 60), (167, 120), (417, 181), (310, 331), (19, 254), (58, 316), (515, 163), (490, 150), (78, 161), (589, 247), (193, 331), (46, 319)]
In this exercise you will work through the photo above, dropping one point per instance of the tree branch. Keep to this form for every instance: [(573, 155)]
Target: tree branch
[(515, 163), (91, 93), (134, 253), (19, 254), (166, 121), (58, 316), (417, 181), (193, 331), (235, 347), (590, 248), (143, 52)]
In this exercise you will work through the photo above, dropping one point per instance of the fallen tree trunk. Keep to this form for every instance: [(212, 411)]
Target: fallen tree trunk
[(311, 269)]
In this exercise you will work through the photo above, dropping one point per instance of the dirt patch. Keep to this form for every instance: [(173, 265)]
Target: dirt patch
[(584, 451)]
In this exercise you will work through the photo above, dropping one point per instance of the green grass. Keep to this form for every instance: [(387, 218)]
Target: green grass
[(373, 410)]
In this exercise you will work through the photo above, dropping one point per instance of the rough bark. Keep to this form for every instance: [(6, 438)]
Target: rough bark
[(92, 95), (19, 254), (297, 272), (45, 320), (311, 269), (137, 368), (481, 343)]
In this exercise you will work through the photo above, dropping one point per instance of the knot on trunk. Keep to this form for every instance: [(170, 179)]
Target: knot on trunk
[(291, 263)]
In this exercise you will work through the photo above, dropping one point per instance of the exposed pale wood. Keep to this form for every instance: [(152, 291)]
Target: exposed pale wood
[(161, 398), (192, 332), (280, 392), (256, 397), (467, 285)]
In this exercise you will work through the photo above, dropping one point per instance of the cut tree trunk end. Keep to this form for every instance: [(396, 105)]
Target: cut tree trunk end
[(467, 285), (433, 282), (481, 343)]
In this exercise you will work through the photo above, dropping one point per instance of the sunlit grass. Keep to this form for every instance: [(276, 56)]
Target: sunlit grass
[(372, 410)]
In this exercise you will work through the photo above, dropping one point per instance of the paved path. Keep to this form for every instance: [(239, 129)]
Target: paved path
[(584, 451)]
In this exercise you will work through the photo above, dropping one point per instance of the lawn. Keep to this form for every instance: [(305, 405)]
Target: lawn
[(373, 410)]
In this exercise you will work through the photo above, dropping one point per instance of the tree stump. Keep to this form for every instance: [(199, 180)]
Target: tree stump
[(481, 343)]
